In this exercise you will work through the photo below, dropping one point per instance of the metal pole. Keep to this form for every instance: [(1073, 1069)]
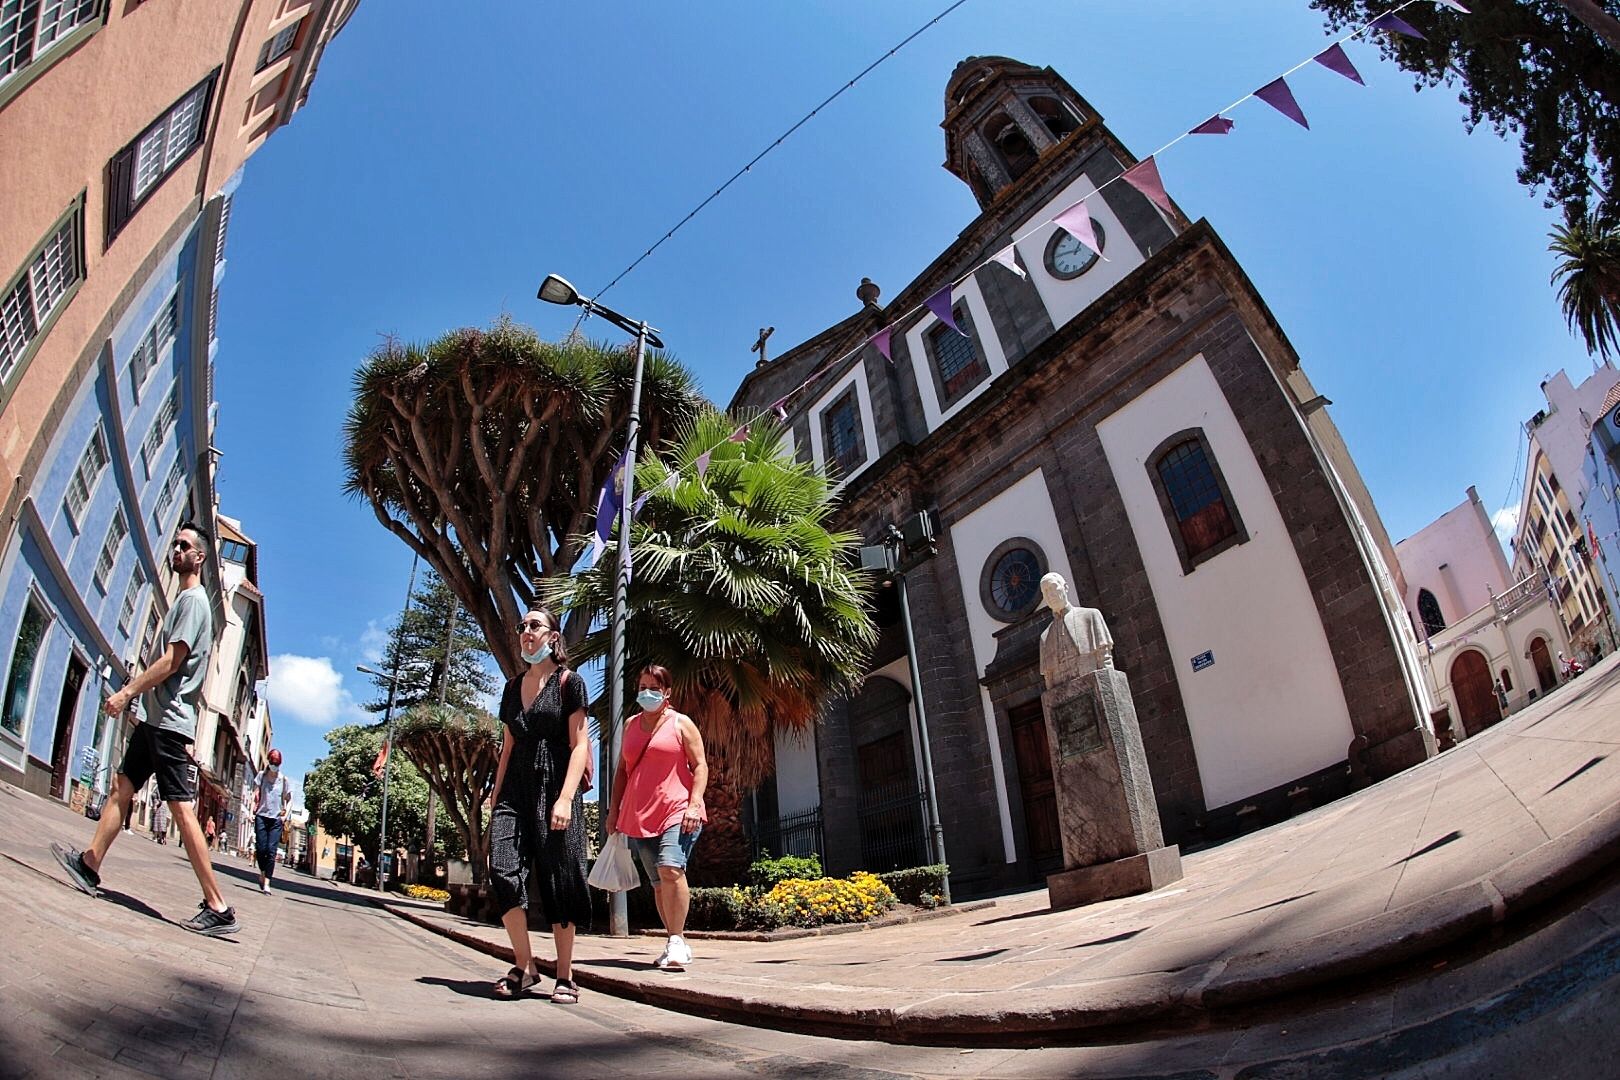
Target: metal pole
[(388, 738), (934, 827), (618, 912)]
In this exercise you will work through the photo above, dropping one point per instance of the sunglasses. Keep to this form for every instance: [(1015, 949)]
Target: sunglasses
[(184, 545), (533, 626)]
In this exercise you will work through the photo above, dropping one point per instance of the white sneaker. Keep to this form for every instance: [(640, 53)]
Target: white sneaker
[(662, 963), (679, 953), (265, 888)]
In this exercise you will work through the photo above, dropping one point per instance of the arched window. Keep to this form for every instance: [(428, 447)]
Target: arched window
[(1013, 144), (1429, 612), (1507, 681), (1058, 117), (1193, 494)]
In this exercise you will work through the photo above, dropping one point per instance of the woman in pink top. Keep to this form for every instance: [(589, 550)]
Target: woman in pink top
[(658, 803)]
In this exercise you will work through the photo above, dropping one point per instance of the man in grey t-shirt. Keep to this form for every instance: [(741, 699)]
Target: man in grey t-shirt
[(158, 744)]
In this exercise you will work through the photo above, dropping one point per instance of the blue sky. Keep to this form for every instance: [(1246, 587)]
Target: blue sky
[(452, 155)]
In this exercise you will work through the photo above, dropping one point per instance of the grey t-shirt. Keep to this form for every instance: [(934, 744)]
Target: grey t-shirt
[(189, 620)]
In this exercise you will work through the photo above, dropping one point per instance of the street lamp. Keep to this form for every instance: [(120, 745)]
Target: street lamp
[(556, 290), (388, 752)]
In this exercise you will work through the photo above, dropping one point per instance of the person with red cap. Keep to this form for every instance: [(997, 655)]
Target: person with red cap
[(270, 818)]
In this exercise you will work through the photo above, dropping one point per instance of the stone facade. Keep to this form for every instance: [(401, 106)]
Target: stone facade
[(1032, 423)]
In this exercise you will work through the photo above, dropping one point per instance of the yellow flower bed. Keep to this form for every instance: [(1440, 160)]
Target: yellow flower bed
[(800, 902), (423, 892)]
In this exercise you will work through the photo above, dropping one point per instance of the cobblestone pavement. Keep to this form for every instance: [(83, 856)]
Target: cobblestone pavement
[(322, 982)]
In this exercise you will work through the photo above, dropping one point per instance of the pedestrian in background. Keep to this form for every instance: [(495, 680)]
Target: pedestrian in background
[(270, 808), (159, 747), (537, 830), (657, 803)]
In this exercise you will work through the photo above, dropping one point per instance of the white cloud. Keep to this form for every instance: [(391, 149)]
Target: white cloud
[(1506, 523), (373, 640), (309, 689)]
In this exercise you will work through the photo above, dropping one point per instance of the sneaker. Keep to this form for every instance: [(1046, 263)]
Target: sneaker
[(212, 923), (662, 963), (80, 876), (265, 888), (679, 955)]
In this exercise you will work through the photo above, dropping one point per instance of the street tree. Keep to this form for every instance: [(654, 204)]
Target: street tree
[(484, 451), (456, 751), (1547, 71), (416, 651), (742, 590), (1588, 277), (344, 796)]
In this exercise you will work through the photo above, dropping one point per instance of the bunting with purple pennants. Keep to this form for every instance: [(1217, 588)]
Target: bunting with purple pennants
[(940, 305), (1076, 219), (1279, 97), (1334, 59)]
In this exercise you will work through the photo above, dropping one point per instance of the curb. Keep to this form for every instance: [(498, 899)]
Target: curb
[(1424, 926)]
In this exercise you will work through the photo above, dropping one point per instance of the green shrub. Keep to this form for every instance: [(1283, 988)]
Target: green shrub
[(800, 902), (724, 908), (765, 874), (923, 886)]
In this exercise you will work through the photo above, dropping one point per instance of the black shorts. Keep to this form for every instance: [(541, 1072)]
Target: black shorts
[(162, 753)]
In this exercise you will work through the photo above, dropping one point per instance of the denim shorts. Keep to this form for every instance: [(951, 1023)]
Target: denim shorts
[(671, 848)]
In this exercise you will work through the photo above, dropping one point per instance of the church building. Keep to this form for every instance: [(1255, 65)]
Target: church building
[(1138, 423)]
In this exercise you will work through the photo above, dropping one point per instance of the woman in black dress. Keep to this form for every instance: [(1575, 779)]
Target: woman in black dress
[(537, 832)]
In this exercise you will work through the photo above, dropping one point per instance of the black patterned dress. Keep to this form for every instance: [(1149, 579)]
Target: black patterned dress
[(525, 855)]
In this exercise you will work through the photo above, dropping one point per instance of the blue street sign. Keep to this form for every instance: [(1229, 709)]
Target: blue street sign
[(1203, 660)]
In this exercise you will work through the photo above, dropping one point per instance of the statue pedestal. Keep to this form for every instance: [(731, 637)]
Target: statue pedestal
[(1112, 843)]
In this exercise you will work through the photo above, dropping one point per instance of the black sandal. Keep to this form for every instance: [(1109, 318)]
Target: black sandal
[(514, 984), (565, 993)]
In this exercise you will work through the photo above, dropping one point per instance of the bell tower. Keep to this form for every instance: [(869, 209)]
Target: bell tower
[(1001, 116)]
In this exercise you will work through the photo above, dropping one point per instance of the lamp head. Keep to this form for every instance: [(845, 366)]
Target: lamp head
[(557, 290)]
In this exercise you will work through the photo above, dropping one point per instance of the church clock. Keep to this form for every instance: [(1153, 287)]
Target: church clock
[(1067, 257)]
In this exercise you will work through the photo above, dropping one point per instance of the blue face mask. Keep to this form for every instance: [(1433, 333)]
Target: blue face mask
[(537, 656), (650, 699)]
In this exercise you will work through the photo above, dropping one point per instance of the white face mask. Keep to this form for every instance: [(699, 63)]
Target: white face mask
[(537, 656)]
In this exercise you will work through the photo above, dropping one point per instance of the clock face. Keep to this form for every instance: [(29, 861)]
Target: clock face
[(1067, 257)]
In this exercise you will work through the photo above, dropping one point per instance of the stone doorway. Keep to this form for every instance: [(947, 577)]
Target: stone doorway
[(1043, 839), (62, 742), (1546, 674), (1476, 696)]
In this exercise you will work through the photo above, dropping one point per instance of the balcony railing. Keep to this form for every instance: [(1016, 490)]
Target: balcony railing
[(1522, 595)]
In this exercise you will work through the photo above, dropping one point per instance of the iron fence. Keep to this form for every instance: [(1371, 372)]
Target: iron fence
[(793, 834), (893, 830)]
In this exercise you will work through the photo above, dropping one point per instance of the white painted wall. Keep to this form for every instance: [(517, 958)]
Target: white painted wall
[(1023, 509), (863, 400), (1066, 299), (1271, 708), (798, 784)]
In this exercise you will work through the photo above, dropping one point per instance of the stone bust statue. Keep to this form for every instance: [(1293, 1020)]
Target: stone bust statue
[(1077, 642)]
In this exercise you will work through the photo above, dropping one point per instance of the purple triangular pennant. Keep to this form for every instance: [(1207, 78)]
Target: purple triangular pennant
[(1334, 59), (1008, 257), (1279, 97), (780, 409), (1076, 221), (1144, 177), (701, 465), (1396, 25), (940, 305), (740, 435), (1454, 5), (880, 342), (641, 500), (1215, 125)]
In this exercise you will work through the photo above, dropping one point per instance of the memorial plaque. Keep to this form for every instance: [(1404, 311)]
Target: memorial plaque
[(1077, 725)]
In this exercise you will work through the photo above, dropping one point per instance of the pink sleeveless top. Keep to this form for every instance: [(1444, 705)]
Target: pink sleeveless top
[(659, 786)]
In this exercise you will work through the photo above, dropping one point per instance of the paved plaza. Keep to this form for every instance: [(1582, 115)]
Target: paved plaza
[(1462, 919)]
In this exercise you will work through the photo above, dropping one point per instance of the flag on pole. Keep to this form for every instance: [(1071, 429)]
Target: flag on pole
[(1276, 94), (1144, 177), (1076, 221), (1215, 125), (880, 342), (1396, 25), (381, 763), (1334, 59), (1008, 257), (1597, 548), (608, 502), (940, 305)]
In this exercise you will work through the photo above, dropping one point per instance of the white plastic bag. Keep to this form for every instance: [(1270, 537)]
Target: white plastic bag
[(615, 869)]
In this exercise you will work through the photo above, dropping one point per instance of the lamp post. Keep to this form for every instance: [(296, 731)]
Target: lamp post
[(388, 753), (556, 290)]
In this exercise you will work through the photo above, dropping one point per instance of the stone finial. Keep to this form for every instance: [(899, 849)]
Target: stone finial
[(868, 293)]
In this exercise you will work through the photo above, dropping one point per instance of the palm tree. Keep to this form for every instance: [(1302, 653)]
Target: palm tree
[(1588, 277), (484, 450), (743, 592)]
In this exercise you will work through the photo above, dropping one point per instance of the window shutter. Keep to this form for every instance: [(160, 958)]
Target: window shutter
[(120, 182)]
